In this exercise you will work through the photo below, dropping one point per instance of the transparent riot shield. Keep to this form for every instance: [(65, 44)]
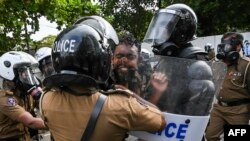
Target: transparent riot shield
[(188, 98)]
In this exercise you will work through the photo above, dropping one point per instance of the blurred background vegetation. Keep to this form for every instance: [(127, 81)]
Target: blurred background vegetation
[(214, 17)]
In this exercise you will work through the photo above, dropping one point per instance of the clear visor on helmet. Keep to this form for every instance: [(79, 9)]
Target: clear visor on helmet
[(161, 26), (47, 66), (26, 76)]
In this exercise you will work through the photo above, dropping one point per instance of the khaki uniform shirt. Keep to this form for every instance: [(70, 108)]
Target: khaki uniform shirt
[(236, 85), (67, 115), (11, 107)]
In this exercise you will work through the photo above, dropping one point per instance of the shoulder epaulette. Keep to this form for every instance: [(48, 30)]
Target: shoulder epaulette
[(246, 58), (125, 92)]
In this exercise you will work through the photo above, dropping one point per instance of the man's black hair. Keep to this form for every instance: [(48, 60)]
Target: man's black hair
[(128, 38)]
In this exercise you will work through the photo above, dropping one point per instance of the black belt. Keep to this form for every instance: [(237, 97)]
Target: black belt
[(234, 103)]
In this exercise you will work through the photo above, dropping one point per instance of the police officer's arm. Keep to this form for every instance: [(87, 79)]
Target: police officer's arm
[(144, 101), (28, 120), (147, 117), (10, 108), (135, 95)]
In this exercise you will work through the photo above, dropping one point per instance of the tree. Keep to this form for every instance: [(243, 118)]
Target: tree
[(214, 16), (45, 42), (66, 12), (15, 16), (131, 15), (218, 17)]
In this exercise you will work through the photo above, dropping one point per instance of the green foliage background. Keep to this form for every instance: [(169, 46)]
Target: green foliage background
[(214, 17)]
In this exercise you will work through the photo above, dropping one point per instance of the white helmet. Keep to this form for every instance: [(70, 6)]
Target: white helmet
[(43, 56), (42, 53), (15, 59)]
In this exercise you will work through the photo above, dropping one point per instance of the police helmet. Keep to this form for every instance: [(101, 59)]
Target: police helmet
[(104, 28), (227, 48), (42, 53), (18, 66), (43, 56), (82, 53), (176, 23), (12, 60)]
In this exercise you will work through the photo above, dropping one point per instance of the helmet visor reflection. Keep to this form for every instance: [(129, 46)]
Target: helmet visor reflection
[(26, 76), (103, 27), (161, 26)]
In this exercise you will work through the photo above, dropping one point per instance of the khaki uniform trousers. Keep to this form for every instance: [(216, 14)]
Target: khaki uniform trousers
[(222, 115)]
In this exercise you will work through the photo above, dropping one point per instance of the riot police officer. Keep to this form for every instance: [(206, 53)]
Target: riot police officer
[(170, 32), (81, 58), (19, 84), (233, 100), (43, 56)]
